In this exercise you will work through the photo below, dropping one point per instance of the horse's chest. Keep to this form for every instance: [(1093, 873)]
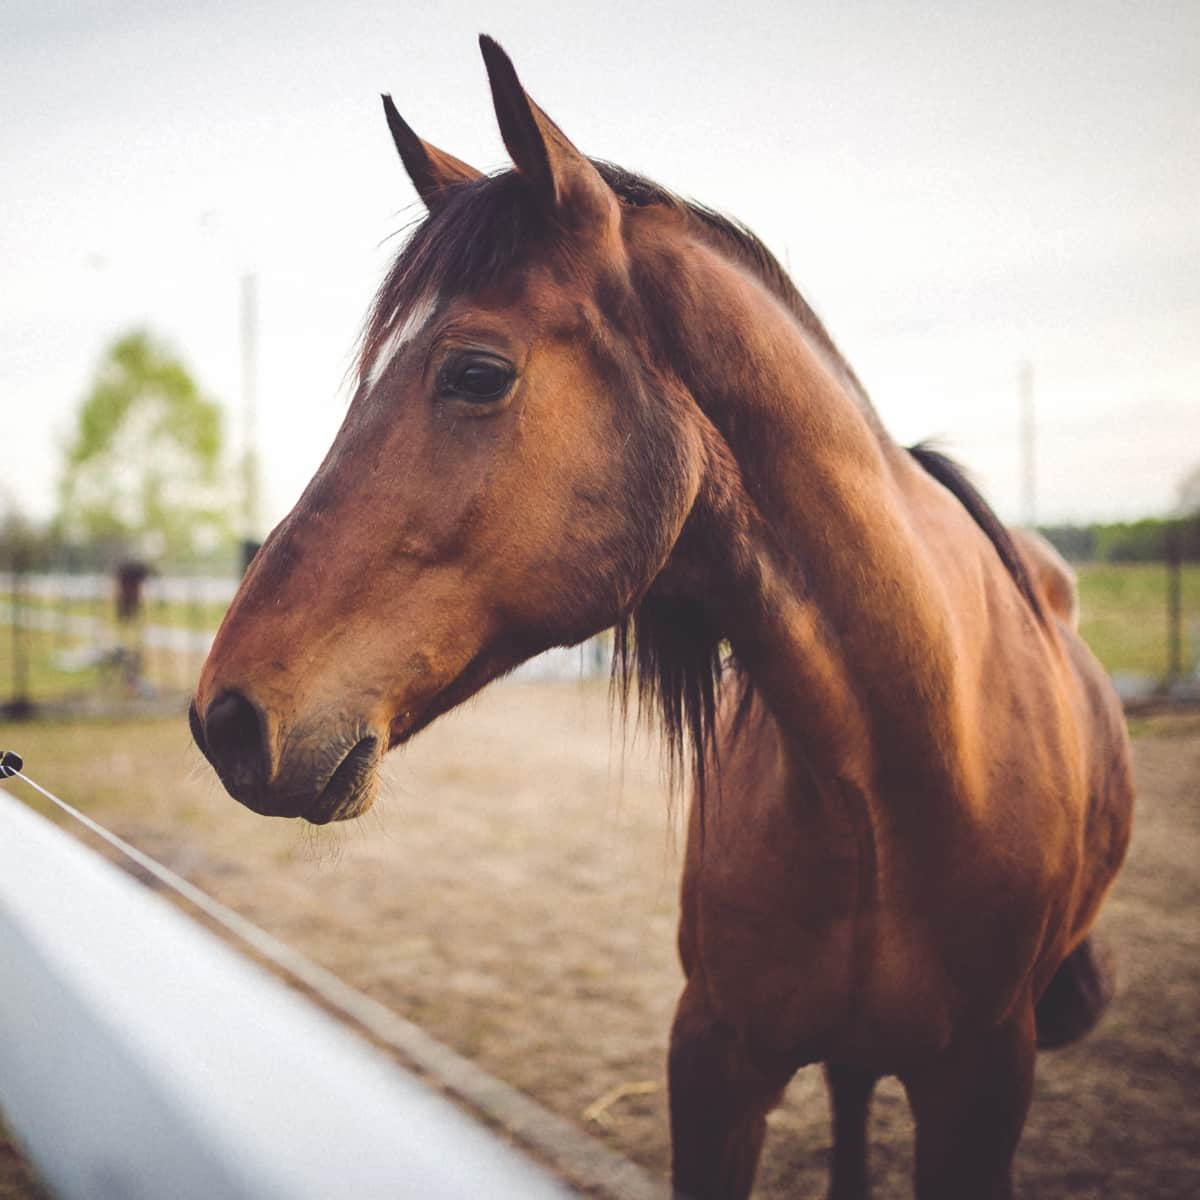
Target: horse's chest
[(800, 969), (776, 935), (810, 940)]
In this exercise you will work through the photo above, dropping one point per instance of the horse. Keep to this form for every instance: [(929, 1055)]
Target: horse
[(584, 403)]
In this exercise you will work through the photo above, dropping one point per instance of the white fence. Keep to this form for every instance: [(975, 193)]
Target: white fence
[(588, 661), (142, 1058)]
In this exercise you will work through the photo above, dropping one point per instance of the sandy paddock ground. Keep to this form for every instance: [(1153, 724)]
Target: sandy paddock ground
[(514, 893)]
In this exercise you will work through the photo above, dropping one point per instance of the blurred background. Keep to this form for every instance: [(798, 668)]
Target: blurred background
[(993, 210), (992, 207)]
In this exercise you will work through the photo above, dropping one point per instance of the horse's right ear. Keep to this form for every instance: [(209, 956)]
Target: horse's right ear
[(564, 179), (431, 170)]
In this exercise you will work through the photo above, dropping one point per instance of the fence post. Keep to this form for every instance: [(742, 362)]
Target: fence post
[(20, 703), (1174, 556)]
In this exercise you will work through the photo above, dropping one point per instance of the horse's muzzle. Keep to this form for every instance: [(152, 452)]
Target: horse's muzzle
[(316, 783)]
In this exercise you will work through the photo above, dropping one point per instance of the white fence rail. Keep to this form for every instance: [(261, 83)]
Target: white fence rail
[(142, 1058), (588, 661)]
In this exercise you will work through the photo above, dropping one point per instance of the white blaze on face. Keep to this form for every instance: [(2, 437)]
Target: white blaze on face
[(418, 316)]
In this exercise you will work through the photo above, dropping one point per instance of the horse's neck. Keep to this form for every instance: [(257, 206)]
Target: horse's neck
[(828, 595)]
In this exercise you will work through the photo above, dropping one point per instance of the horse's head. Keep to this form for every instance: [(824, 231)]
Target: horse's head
[(513, 473)]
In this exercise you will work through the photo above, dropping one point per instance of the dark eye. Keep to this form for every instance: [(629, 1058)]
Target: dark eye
[(477, 379)]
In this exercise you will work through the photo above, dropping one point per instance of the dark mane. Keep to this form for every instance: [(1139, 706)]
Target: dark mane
[(951, 476), (482, 228), (469, 242), (742, 245), (665, 649)]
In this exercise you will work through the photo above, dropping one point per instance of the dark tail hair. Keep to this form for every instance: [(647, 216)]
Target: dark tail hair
[(1076, 998)]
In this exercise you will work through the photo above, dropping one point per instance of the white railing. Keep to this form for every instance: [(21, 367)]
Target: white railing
[(588, 661), (141, 1057)]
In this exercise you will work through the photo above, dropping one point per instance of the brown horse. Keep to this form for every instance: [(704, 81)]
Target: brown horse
[(583, 402)]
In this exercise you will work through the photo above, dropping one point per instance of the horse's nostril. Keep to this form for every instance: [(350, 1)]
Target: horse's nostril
[(234, 741)]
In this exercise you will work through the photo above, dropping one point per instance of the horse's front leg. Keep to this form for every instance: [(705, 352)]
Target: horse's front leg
[(850, 1099), (719, 1104), (970, 1106)]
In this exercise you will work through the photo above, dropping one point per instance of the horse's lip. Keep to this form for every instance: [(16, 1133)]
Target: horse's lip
[(350, 789)]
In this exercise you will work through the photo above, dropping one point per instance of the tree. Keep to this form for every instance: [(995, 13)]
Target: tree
[(144, 467)]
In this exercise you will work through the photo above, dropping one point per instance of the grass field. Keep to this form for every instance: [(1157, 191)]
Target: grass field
[(64, 648), (41, 678), (1124, 615), (60, 666)]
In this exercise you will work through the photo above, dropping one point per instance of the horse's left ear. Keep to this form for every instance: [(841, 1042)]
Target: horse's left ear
[(431, 170), (565, 180)]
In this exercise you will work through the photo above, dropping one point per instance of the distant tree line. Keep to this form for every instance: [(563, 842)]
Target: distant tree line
[(1146, 540)]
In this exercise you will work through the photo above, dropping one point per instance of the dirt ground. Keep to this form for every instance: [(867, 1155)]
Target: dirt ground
[(514, 893)]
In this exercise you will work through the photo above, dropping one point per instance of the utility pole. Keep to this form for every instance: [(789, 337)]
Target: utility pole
[(250, 482), (19, 706), (1028, 450)]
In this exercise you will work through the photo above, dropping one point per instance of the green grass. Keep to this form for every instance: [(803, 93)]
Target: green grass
[(1124, 615), (53, 672), (43, 678), (53, 669)]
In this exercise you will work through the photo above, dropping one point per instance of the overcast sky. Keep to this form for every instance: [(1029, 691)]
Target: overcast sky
[(956, 189)]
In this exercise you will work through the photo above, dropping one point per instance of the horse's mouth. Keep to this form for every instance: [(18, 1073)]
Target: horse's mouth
[(350, 790), (295, 788)]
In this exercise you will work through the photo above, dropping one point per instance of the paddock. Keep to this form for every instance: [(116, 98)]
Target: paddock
[(514, 895)]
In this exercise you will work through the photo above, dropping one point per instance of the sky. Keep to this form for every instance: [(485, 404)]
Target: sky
[(958, 190)]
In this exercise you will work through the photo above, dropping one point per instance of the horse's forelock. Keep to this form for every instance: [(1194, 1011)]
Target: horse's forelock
[(474, 237)]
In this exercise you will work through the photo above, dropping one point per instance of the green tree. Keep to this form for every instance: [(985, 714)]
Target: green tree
[(143, 469)]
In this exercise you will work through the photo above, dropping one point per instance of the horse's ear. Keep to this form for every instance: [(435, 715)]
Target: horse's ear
[(563, 177), (431, 170)]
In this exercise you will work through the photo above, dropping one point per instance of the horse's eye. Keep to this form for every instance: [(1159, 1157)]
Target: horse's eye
[(479, 379)]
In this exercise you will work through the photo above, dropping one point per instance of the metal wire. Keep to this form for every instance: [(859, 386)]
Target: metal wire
[(368, 1014), (579, 1157)]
